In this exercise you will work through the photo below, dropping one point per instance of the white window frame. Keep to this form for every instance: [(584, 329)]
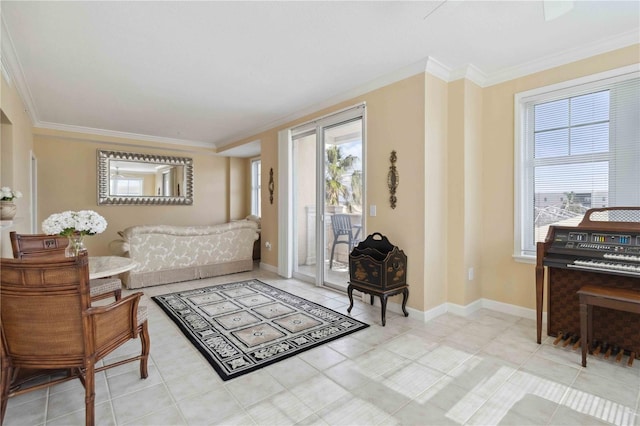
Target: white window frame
[(139, 181), (256, 187), (523, 171)]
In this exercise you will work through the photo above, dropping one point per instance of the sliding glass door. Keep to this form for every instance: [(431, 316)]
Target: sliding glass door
[(304, 202), (342, 198), (328, 170)]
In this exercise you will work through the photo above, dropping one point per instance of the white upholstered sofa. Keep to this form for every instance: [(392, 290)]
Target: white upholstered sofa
[(167, 254)]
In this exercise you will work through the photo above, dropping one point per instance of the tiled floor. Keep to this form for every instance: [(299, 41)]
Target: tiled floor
[(480, 370)]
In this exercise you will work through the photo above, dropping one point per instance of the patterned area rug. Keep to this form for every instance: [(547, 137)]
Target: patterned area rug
[(243, 326)]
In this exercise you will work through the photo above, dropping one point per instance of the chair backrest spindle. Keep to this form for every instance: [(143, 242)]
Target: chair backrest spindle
[(341, 224)]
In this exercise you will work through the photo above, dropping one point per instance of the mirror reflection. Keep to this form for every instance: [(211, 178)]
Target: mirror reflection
[(129, 178), (135, 179)]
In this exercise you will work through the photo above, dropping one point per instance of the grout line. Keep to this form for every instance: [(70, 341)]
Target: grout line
[(46, 406), (292, 286), (110, 397)]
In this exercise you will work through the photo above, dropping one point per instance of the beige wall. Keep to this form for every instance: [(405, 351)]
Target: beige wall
[(435, 214), (456, 175), (503, 279), (394, 121), (269, 218), (149, 183), (17, 143), (239, 181), (395, 117), (454, 143), (67, 181), (455, 158), (473, 189), (464, 189)]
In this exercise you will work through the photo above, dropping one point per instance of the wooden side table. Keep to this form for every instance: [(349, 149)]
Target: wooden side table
[(383, 294)]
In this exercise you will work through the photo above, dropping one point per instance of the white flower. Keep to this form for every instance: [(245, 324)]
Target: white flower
[(84, 222), (7, 194), (90, 222)]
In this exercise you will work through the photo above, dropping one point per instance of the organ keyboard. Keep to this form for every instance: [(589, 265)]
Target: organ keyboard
[(603, 250), (606, 267)]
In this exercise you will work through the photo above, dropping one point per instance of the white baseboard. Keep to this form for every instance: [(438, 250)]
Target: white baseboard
[(454, 308), (413, 313), (268, 267), (507, 308), (464, 311)]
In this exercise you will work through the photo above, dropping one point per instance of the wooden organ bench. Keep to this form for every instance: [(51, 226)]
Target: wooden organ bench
[(607, 297)]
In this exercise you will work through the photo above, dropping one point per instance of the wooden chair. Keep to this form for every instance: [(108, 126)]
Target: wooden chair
[(341, 226), (26, 246), (48, 324)]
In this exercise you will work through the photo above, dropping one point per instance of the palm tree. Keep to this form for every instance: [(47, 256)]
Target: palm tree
[(356, 190), (336, 167)]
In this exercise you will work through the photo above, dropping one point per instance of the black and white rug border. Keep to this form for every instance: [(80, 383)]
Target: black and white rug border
[(232, 357)]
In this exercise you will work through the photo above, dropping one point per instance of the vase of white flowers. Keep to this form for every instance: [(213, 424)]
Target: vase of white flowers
[(8, 208), (75, 246), (74, 226)]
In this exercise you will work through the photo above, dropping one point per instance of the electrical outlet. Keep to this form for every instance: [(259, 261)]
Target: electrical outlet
[(470, 274), (267, 244), (372, 210)]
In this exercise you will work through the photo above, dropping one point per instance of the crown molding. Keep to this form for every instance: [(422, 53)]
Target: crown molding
[(471, 73), (568, 56), (438, 69), (476, 75), (122, 135), (250, 149), (126, 145), (5, 72), (482, 79), (12, 71)]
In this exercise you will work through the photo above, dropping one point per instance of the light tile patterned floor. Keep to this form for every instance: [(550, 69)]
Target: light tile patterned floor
[(484, 369)]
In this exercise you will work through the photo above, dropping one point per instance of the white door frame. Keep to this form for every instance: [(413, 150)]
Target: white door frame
[(285, 185), (285, 203)]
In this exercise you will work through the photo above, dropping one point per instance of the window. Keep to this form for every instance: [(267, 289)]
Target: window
[(255, 187), (125, 187), (577, 147), (166, 184)]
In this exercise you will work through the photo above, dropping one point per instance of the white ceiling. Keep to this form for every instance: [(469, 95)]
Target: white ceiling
[(209, 73)]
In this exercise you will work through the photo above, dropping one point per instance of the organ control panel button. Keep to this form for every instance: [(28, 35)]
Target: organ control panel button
[(599, 241)]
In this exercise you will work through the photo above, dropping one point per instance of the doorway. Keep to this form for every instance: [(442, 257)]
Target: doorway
[(328, 195)]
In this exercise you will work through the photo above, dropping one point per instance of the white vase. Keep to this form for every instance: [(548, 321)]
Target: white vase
[(8, 210)]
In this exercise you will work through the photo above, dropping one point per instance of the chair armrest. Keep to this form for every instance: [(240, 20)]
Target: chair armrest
[(115, 320)]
